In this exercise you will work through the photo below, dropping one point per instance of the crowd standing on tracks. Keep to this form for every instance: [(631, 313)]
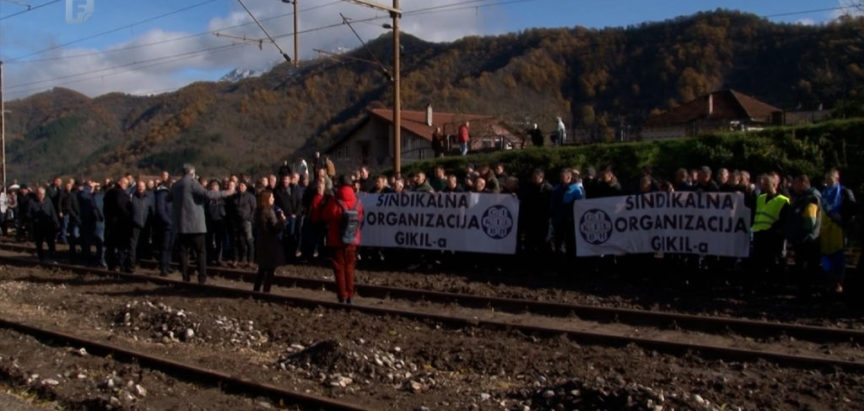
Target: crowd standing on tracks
[(304, 214)]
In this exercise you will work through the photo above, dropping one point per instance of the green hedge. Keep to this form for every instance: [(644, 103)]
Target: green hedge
[(810, 149)]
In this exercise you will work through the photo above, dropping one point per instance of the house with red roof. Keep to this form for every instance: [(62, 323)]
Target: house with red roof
[(370, 143), (723, 110)]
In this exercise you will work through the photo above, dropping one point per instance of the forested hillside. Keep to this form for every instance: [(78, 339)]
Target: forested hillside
[(595, 79)]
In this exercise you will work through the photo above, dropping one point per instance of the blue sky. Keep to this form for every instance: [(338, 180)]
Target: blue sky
[(145, 47)]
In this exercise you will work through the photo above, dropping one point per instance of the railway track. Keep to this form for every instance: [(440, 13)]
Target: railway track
[(581, 335), (227, 382), (707, 324)]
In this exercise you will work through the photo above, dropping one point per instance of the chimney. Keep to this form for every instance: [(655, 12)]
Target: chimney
[(710, 104), (429, 115)]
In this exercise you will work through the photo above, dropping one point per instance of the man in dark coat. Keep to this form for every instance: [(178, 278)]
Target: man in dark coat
[(215, 217), (188, 198), (288, 200), (142, 210), (25, 199), (70, 213), (45, 223), (162, 226), (118, 226), (535, 200), (90, 216)]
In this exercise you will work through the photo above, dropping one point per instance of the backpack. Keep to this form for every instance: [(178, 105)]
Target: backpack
[(350, 223)]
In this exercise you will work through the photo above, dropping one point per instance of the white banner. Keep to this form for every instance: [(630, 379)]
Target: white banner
[(473, 222), (660, 222)]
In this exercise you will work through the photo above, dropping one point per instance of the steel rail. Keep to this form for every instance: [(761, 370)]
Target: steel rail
[(708, 324), (225, 381), (582, 336)]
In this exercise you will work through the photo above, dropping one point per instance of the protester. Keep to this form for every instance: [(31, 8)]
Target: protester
[(118, 226), (45, 224), (803, 226), (269, 252), (343, 255), (838, 203), (464, 137), (768, 235), (188, 198)]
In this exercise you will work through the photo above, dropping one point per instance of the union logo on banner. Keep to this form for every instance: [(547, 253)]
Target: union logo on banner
[(595, 226), (497, 222)]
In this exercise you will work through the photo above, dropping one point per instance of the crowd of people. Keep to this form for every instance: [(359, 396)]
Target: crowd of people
[(293, 216)]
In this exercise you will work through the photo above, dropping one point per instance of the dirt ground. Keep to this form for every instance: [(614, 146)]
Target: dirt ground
[(379, 362)]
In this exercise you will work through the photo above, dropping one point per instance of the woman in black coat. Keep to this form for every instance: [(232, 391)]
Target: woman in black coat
[(269, 224)]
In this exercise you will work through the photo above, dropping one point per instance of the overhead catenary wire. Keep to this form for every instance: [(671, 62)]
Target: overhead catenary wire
[(148, 64), (260, 26), (114, 30), (169, 40), (450, 7), (29, 9), (89, 72), (314, 29), (347, 21)]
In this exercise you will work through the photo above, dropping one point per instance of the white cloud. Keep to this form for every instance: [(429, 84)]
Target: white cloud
[(140, 67), (848, 8), (805, 22)]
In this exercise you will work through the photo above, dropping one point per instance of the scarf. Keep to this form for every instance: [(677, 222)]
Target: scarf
[(832, 199)]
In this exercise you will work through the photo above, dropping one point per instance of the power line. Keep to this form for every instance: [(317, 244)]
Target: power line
[(793, 13), (29, 9), (144, 64), (88, 75), (89, 72), (260, 26), (434, 9), (114, 30), (169, 40)]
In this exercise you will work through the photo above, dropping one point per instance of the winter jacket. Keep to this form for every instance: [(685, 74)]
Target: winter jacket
[(330, 212), (43, 215), (142, 208), (242, 206), (68, 201), (188, 198), (163, 209), (804, 219), (269, 252)]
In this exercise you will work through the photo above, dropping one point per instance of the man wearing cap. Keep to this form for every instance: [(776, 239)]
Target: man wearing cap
[(188, 198)]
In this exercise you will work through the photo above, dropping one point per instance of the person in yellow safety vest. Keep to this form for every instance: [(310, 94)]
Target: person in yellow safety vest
[(769, 239)]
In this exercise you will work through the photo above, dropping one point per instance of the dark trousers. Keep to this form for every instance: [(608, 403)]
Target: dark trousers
[(117, 245), (289, 238), (163, 244), (193, 242), (244, 242), (133, 245), (89, 238), (343, 260), (41, 236), (265, 278), (807, 262), (768, 247), (216, 234)]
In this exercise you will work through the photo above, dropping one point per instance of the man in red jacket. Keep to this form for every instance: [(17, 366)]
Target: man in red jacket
[(343, 256), (464, 137)]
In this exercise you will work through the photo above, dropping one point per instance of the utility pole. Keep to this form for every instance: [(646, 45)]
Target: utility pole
[(396, 13), (2, 128), (296, 39), (397, 95)]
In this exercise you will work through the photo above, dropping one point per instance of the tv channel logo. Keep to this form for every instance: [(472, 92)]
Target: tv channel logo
[(78, 11)]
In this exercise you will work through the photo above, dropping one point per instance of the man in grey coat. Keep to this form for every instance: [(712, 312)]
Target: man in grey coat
[(188, 198)]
